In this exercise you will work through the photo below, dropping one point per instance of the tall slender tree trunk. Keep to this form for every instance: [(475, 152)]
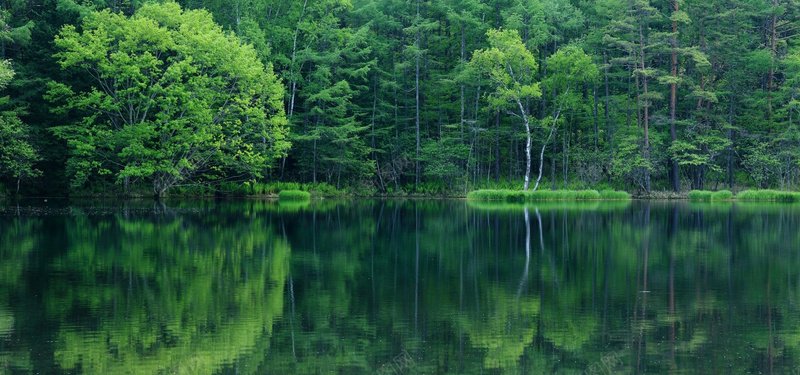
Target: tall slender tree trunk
[(773, 38), (416, 115), (497, 147), (609, 128), (672, 101), (646, 111), (463, 62), (595, 173), (730, 139), (294, 59)]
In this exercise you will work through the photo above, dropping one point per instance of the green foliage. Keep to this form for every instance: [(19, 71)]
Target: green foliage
[(722, 195), (164, 106), (510, 65), (17, 155), (614, 195), (700, 195), (293, 195), (488, 194), (544, 195), (133, 110), (761, 164), (768, 195), (322, 189)]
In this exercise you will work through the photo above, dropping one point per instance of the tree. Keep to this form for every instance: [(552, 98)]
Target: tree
[(511, 68), (17, 156), (570, 66), (166, 104)]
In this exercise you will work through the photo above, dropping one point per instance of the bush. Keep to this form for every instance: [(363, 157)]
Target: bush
[(722, 195), (700, 195), (293, 195), (614, 195)]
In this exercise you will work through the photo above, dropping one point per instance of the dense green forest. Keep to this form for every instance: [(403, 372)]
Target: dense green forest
[(398, 96)]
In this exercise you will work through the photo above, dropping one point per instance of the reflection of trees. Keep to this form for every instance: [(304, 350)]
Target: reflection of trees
[(462, 288), (16, 246), (143, 295)]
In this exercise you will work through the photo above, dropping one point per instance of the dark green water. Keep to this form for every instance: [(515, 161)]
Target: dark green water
[(398, 287)]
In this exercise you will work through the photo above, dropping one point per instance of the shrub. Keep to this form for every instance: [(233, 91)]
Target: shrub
[(293, 195), (722, 195), (700, 195)]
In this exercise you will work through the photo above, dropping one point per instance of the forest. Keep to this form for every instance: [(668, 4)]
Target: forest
[(397, 97)]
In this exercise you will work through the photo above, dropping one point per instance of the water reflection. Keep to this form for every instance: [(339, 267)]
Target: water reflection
[(367, 286)]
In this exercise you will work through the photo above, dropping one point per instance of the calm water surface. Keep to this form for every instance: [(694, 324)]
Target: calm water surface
[(398, 287)]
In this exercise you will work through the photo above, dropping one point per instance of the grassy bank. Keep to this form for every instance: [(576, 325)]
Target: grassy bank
[(746, 195), (547, 195), (768, 195), (705, 195)]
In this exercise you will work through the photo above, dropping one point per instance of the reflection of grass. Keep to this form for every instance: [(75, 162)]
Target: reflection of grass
[(711, 206), (705, 195), (603, 206), (293, 206), (546, 195)]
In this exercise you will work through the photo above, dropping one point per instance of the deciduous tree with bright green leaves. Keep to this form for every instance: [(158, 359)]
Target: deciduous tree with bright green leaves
[(173, 100), (512, 69), (17, 155)]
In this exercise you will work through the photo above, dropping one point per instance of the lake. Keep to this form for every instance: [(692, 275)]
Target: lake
[(398, 287)]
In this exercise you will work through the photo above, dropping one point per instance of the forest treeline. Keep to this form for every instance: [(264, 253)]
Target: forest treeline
[(398, 96)]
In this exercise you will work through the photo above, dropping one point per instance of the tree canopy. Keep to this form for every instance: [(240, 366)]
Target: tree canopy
[(396, 97), (173, 99)]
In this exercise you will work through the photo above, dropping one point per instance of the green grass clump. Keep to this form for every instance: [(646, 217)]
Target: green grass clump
[(585, 195), (293, 195), (722, 195), (515, 195), (614, 195), (768, 195), (700, 195)]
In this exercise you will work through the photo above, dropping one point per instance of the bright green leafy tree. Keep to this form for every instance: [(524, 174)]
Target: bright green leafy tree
[(512, 70), (17, 155), (175, 100)]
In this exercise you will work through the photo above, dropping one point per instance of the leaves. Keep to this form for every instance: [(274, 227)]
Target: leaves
[(171, 103)]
